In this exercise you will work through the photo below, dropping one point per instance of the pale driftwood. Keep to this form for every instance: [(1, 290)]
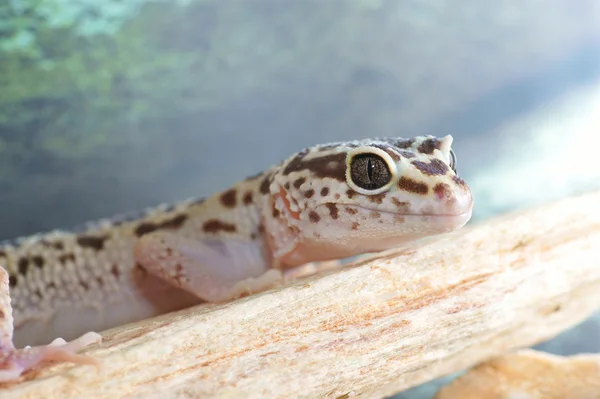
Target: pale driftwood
[(367, 331), (529, 374)]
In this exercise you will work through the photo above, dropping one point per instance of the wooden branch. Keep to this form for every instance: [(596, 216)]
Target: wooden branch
[(529, 374), (367, 331)]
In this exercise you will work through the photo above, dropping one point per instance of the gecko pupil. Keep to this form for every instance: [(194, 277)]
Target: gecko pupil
[(369, 171), (370, 168)]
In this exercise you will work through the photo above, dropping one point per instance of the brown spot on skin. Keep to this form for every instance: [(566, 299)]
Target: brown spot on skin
[(229, 198), (350, 193), (442, 190), (300, 181), (309, 193), (389, 150), (331, 165), (402, 205), (351, 211), (286, 185), (275, 212), (403, 143), (215, 226), (435, 167), (295, 163), (314, 217), (23, 266), (429, 145), (96, 243), (38, 261), (174, 223), (84, 285), (355, 225), (148, 227), (2, 315), (253, 236), (247, 199), (12, 281), (51, 285), (145, 228), (115, 270), (377, 198), (38, 293), (406, 184), (333, 210), (100, 281), (264, 185), (64, 258), (337, 196), (261, 228), (459, 181), (407, 154), (324, 191), (375, 214), (55, 244), (399, 219)]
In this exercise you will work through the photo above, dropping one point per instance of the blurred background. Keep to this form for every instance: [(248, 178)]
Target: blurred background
[(108, 106)]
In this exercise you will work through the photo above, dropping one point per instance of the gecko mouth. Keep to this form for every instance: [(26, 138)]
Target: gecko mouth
[(453, 220), (401, 213)]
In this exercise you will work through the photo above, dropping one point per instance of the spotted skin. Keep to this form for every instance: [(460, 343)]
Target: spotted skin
[(323, 203)]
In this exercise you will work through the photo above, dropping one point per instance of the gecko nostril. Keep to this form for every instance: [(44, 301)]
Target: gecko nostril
[(442, 191)]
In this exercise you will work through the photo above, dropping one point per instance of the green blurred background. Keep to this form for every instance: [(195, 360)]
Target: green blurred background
[(110, 106)]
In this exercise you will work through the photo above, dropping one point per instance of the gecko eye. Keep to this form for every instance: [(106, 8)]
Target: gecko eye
[(452, 160), (369, 171)]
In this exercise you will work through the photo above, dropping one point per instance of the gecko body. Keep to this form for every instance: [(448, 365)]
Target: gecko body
[(324, 203)]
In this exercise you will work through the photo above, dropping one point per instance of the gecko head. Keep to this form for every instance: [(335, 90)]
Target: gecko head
[(343, 199)]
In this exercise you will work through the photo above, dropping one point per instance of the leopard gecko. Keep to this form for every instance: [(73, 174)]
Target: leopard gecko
[(324, 203)]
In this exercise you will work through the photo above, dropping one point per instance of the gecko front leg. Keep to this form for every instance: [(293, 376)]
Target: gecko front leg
[(13, 361), (214, 269)]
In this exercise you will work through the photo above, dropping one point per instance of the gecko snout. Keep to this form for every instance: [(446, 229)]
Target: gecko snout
[(453, 201)]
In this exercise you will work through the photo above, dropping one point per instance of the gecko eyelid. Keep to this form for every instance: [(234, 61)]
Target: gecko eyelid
[(370, 171)]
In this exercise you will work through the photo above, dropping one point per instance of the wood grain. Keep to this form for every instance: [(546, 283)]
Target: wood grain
[(370, 330), (529, 374)]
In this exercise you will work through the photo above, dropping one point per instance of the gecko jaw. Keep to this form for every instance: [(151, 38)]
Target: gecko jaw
[(432, 221)]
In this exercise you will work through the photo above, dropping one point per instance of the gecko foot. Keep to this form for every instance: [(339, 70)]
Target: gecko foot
[(13, 362), (269, 279)]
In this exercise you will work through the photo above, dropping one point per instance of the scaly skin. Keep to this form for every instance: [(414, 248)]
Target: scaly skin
[(324, 203)]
